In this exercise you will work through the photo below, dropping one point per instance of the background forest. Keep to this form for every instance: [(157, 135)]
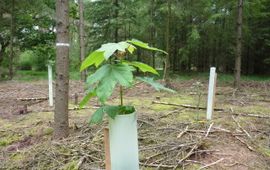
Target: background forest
[(196, 34)]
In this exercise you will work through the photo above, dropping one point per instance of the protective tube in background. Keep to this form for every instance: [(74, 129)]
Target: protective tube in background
[(124, 142)]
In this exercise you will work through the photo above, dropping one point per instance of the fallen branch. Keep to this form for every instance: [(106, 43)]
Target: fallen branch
[(211, 164), (196, 146), (242, 129), (81, 161), (185, 105), (247, 145), (156, 165), (182, 133), (31, 99), (172, 149), (207, 133), (251, 115)]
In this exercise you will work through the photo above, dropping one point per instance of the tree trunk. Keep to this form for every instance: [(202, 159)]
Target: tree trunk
[(61, 123), (167, 62), (115, 17), (10, 68), (82, 38), (152, 32), (237, 71)]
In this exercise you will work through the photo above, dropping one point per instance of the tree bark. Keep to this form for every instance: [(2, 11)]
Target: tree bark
[(167, 61), (82, 38), (116, 38), (10, 67), (237, 71), (152, 32), (61, 123)]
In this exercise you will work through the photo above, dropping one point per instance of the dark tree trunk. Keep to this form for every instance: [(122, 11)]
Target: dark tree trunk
[(237, 70), (116, 38), (152, 32), (82, 38), (11, 57), (61, 123), (167, 62)]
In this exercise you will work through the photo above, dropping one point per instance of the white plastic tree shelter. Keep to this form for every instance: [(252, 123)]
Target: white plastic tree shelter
[(211, 93), (50, 85), (124, 142)]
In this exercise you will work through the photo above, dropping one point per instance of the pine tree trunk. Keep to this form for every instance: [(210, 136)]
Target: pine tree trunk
[(116, 39), (237, 71), (61, 123), (167, 62), (10, 68), (152, 32), (82, 38)]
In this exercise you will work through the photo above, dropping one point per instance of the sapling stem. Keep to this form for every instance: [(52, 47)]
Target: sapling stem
[(121, 90), (121, 95)]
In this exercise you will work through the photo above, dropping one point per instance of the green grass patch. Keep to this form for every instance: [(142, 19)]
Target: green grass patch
[(29, 75)]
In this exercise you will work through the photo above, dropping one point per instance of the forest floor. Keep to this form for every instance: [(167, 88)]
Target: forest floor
[(170, 136)]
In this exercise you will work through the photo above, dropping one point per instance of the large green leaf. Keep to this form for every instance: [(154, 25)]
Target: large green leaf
[(108, 76), (143, 67), (105, 89), (110, 48), (154, 84), (144, 45), (95, 58)]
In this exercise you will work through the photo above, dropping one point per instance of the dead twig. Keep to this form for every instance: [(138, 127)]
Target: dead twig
[(184, 105), (246, 144), (196, 146), (252, 115), (211, 164), (207, 133), (182, 133), (156, 165), (242, 129), (81, 161), (31, 99)]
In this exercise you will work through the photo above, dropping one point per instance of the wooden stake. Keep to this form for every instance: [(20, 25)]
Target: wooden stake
[(76, 99), (107, 149)]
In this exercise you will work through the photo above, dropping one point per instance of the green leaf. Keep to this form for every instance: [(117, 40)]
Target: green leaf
[(105, 89), (143, 67), (110, 48), (145, 45), (154, 84), (97, 116), (86, 99), (126, 110), (112, 111), (95, 58), (108, 76)]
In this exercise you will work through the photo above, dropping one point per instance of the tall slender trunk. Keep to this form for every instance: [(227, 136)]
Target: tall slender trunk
[(11, 57), (82, 38), (167, 62), (61, 122), (116, 38), (152, 32), (237, 71)]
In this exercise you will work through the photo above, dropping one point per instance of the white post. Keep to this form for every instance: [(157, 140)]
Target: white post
[(211, 93), (50, 85)]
